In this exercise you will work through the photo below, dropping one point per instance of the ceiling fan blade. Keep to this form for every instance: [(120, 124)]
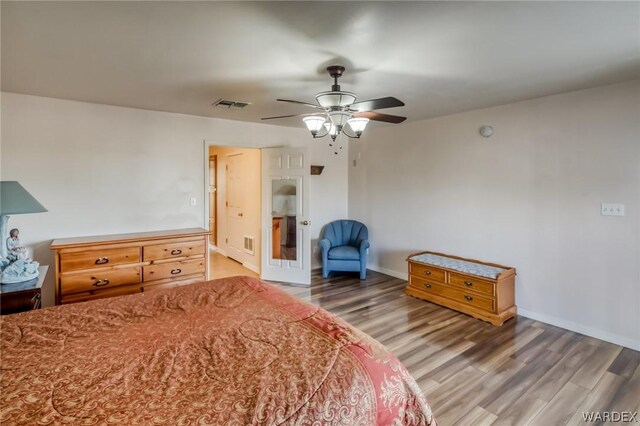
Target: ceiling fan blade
[(380, 103), (377, 116), (300, 103), (287, 116)]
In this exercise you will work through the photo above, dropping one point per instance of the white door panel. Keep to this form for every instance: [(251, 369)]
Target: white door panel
[(235, 201), (286, 243)]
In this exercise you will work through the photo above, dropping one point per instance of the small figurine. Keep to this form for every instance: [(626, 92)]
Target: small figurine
[(14, 248), (16, 268)]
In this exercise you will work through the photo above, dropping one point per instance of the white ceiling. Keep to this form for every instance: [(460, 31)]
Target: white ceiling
[(438, 57)]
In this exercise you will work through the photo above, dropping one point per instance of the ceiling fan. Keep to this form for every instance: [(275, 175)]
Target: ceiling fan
[(338, 112)]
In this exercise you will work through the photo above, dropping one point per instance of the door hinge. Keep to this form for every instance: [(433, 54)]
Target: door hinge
[(226, 203), (226, 240)]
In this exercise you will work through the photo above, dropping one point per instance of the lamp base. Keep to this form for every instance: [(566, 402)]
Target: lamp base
[(22, 280), (18, 271)]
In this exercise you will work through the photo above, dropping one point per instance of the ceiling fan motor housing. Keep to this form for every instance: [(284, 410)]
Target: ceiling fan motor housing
[(335, 71)]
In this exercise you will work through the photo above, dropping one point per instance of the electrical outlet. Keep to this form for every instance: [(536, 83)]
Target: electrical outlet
[(193, 201), (608, 209)]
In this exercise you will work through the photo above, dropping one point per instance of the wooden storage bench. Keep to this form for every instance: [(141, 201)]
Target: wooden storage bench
[(483, 290)]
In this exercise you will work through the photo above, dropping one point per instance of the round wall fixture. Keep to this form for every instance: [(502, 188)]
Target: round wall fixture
[(486, 131)]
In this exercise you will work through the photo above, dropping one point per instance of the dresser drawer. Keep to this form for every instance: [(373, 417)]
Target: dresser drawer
[(177, 249), (173, 269), (100, 294), (444, 290), (469, 298), (473, 284), (423, 284), (98, 258), (426, 271), (99, 280)]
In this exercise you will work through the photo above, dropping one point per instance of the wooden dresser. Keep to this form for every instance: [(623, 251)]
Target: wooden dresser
[(482, 290), (112, 265)]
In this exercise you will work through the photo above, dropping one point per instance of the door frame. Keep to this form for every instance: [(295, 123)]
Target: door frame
[(212, 241)]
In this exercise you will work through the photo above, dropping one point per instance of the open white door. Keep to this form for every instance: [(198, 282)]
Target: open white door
[(286, 241)]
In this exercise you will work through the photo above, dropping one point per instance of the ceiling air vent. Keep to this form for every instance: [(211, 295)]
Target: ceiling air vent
[(226, 103)]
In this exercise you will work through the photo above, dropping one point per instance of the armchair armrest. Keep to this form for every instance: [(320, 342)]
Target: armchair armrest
[(364, 245), (324, 244)]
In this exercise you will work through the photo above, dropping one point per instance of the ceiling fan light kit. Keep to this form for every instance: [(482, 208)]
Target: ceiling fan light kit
[(314, 123), (340, 113), (333, 130), (358, 124), (334, 99)]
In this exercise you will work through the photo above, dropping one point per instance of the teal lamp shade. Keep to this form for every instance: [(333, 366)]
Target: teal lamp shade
[(14, 199)]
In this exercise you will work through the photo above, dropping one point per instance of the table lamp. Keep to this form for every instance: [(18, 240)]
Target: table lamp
[(14, 199)]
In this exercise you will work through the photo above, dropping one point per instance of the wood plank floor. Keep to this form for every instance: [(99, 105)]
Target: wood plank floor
[(523, 373)]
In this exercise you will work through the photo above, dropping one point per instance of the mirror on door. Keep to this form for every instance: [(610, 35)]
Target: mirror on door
[(283, 215)]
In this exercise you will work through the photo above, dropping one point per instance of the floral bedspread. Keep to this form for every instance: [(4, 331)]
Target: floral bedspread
[(235, 351)]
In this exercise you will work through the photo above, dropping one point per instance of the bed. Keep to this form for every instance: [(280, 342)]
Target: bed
[(234, 351)]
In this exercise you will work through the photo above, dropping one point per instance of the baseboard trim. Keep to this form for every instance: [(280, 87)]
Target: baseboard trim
[(390, 272), (578, 328), (548, 319), (251, 267), (219, 250)]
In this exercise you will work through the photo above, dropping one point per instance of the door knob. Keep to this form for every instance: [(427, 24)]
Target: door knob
[(306, 222)]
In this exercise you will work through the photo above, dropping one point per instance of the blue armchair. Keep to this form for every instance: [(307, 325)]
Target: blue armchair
[(344, 245)]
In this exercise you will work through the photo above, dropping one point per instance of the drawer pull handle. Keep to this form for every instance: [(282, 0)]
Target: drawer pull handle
[(102, 260), (427, 285), (469, 298), (101, 283), (468, 283), (176, 251), (427, 272), (176, 271)]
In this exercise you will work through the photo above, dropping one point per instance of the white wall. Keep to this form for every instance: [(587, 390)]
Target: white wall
[(527, 197), (103, 169)]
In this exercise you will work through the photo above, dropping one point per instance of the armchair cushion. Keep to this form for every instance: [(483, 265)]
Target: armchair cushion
[(344, 253)]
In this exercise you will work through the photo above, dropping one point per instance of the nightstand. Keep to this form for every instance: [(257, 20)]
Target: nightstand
[(25, 296)]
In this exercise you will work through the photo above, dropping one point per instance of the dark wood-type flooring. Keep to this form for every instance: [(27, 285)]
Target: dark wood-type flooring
[(473, 373)]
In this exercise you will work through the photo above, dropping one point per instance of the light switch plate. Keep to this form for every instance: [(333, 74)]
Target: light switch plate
[(193, 201), (609, 209)]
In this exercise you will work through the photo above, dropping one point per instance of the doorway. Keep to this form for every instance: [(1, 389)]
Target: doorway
[(262, 212), (236, 199)]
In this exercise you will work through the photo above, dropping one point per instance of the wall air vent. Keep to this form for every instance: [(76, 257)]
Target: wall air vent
[(228, 104), (248, 245)]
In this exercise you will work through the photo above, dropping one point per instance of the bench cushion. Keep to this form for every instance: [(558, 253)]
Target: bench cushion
[(459, 265)]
